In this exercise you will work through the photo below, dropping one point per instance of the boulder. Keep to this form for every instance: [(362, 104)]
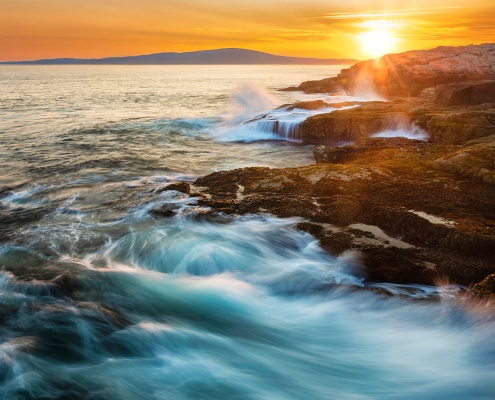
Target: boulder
[(182, 187), (471, 92), (166, 211), (485, 288)]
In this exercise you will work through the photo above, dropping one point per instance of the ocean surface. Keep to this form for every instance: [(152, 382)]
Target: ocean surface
[(99, 299)]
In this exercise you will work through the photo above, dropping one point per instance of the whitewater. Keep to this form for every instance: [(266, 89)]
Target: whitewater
[(100, 298)]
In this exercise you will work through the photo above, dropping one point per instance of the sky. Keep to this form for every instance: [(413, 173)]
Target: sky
[(360, 29)]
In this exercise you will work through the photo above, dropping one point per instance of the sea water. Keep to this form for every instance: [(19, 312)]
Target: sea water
[(99, 299)]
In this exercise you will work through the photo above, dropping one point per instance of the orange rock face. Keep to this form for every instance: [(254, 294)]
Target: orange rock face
[(407, 74)]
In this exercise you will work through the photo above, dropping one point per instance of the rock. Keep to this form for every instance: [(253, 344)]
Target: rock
[(313, 229), (486, 139), (477, 161), (457, 127), (309, 105), (409, 73), (334, 155), (68, 283), (363, 146), (471, 92), (485, 288), (445, 124), (182, 187), (448, 219), (370, 118), (166, 211)]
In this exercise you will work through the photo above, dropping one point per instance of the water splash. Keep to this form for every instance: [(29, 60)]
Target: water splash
[(412, 132), (199, 306), (248, 100)]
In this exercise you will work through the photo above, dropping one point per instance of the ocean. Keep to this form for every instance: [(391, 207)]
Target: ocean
[(101, 299)]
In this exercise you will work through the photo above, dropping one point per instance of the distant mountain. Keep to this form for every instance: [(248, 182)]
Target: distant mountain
[(207, 57)]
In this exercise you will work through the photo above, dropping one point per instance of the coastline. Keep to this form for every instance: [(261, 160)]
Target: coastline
[(418, 211)]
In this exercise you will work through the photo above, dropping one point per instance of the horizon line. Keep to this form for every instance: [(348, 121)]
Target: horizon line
[(175, 53)]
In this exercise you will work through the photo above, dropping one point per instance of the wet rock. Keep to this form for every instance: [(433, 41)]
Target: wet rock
[(12, 220), (458, 127), (448, 219), (166, 211), (477, 162), (313, 229), (309, 105), (485, 288), (182, 187), (348, 125), (396, 265), (210, 216), (337, 242), (444, 124), (68, 283), (362, 147), (471, 92)]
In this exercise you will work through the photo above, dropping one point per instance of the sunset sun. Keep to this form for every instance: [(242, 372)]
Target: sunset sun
[(379, 38)]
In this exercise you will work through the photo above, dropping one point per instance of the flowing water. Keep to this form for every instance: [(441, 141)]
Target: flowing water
[(99, 299)]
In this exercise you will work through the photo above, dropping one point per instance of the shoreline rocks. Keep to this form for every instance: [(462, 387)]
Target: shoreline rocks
[(445, 221), (450, 125), (408, 74), (418, 211)]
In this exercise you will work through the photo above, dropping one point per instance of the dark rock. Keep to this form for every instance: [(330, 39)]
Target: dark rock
[(210, 216), (381, 190), (68, 283), (337, 242), (166, 211), (163, 213), (313, 229), (182, 187), (485, 288), (363, 147)]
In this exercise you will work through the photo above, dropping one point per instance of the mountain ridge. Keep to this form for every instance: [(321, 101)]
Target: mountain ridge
[(226, 56)]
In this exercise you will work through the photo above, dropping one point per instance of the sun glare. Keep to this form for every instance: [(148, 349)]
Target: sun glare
[(379, 39)]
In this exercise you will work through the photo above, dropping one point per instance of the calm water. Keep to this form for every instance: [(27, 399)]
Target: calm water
[(99, 300)]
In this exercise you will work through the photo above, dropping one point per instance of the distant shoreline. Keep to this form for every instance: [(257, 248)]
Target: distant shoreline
[(207, 57)]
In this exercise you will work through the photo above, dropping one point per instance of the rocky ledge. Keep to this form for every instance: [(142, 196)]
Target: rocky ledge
[(352, 120), (418, 211), (413, 209), (409, 73)]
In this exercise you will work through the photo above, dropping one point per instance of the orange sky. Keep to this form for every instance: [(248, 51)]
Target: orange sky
[(33, 29)]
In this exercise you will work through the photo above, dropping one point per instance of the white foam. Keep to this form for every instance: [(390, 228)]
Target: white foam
[(413, 132)]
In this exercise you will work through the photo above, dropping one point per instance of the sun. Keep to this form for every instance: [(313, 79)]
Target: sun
[(379, 39)]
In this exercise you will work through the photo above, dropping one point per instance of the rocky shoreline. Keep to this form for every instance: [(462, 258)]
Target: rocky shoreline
[(418, 211)]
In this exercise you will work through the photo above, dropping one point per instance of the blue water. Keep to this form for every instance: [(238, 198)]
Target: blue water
[(99, 299)]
